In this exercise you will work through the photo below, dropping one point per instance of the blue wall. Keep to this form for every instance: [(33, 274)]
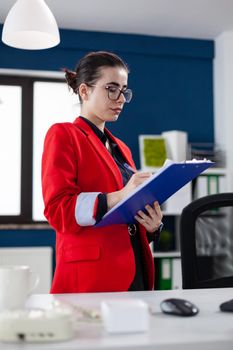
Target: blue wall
[(171, 79)]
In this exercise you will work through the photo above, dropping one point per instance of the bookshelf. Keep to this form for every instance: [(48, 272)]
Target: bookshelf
[(213, 180), (168, 263)]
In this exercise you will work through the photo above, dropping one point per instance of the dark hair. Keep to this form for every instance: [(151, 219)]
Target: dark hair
[(88, 69)]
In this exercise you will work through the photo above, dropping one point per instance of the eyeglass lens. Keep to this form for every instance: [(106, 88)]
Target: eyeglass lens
[(114, 94)]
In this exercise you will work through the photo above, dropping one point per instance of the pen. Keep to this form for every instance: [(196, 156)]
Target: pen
[(127, 166)]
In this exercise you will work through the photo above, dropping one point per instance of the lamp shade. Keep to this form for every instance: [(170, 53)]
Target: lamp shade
[(30, 25)]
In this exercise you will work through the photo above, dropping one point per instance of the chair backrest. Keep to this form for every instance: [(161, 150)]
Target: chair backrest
[(206, 242)]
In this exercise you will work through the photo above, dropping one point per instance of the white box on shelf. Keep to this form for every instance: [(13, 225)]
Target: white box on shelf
[(176, 145), (125, 316)]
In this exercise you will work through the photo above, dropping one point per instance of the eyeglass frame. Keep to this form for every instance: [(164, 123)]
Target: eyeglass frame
[(107, 87)]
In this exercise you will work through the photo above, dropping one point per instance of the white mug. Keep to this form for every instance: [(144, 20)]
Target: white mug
[(16, 284)]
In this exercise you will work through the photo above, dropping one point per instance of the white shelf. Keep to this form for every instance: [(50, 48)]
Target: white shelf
[(214, 171), (169, 254), (169, 213)]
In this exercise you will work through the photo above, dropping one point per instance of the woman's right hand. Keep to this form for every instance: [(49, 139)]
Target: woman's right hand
[(137, 179)]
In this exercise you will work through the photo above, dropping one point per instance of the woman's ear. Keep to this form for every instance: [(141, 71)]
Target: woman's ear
[(83, 91)]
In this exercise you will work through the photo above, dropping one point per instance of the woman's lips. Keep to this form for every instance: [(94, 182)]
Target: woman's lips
[(116, 110)]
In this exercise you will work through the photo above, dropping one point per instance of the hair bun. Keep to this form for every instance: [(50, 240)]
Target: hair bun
[(70, 78)]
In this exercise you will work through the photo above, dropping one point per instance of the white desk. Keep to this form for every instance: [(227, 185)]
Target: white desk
[(209, 330)]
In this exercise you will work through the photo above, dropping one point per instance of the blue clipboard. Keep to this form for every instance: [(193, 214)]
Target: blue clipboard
[(160, 186)]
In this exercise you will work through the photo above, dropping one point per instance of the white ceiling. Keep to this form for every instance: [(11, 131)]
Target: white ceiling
[(204, 19)]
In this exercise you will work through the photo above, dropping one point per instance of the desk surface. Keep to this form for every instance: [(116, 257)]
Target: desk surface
[(211, 329)]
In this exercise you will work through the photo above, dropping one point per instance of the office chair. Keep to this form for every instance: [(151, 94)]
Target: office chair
[(206, 242)]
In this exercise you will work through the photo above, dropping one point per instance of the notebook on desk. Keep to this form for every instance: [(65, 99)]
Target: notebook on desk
[(159, 187)]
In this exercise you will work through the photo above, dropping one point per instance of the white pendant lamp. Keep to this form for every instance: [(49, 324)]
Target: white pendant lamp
[(30, 25)]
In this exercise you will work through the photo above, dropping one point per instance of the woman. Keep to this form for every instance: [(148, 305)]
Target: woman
[(85, 172)]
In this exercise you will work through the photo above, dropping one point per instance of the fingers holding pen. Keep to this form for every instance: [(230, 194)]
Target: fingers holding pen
[(137, 179)]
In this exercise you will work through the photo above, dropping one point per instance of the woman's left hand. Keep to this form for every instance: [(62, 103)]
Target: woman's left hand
[(152, 220)]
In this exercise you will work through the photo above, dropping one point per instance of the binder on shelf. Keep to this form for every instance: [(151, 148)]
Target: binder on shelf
[(213, 184), (168, 273), (207, 184), (176, 274), (200, 187), (159, 187), (165, 274)]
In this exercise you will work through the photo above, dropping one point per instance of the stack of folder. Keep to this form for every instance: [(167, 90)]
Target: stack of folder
[(168, 273), (209, 151)]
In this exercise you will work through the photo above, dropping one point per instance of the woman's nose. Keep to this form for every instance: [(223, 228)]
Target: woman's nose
[(122, 98)]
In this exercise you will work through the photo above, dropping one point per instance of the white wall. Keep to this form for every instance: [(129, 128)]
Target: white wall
[(223, 99)]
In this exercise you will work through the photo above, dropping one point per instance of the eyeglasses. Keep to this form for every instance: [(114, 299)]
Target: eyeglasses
[(114, 93)]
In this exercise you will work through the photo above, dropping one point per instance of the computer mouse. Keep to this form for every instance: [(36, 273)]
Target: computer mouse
[(227, 306), (178, 307)]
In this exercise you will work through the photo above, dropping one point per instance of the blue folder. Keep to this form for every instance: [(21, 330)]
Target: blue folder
[(159, 187)]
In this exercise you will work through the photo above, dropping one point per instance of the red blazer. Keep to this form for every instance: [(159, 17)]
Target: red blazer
[(88, 259)]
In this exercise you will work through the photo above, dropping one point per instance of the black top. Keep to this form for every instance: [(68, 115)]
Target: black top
[(139, 282)]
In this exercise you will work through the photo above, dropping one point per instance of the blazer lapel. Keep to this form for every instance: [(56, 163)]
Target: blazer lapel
[(126, 155), (101, 151)]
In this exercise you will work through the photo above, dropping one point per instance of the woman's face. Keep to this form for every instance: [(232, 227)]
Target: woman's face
[(98, 107)]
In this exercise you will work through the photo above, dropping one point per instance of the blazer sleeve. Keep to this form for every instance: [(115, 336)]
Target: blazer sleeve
[(59, 179)]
